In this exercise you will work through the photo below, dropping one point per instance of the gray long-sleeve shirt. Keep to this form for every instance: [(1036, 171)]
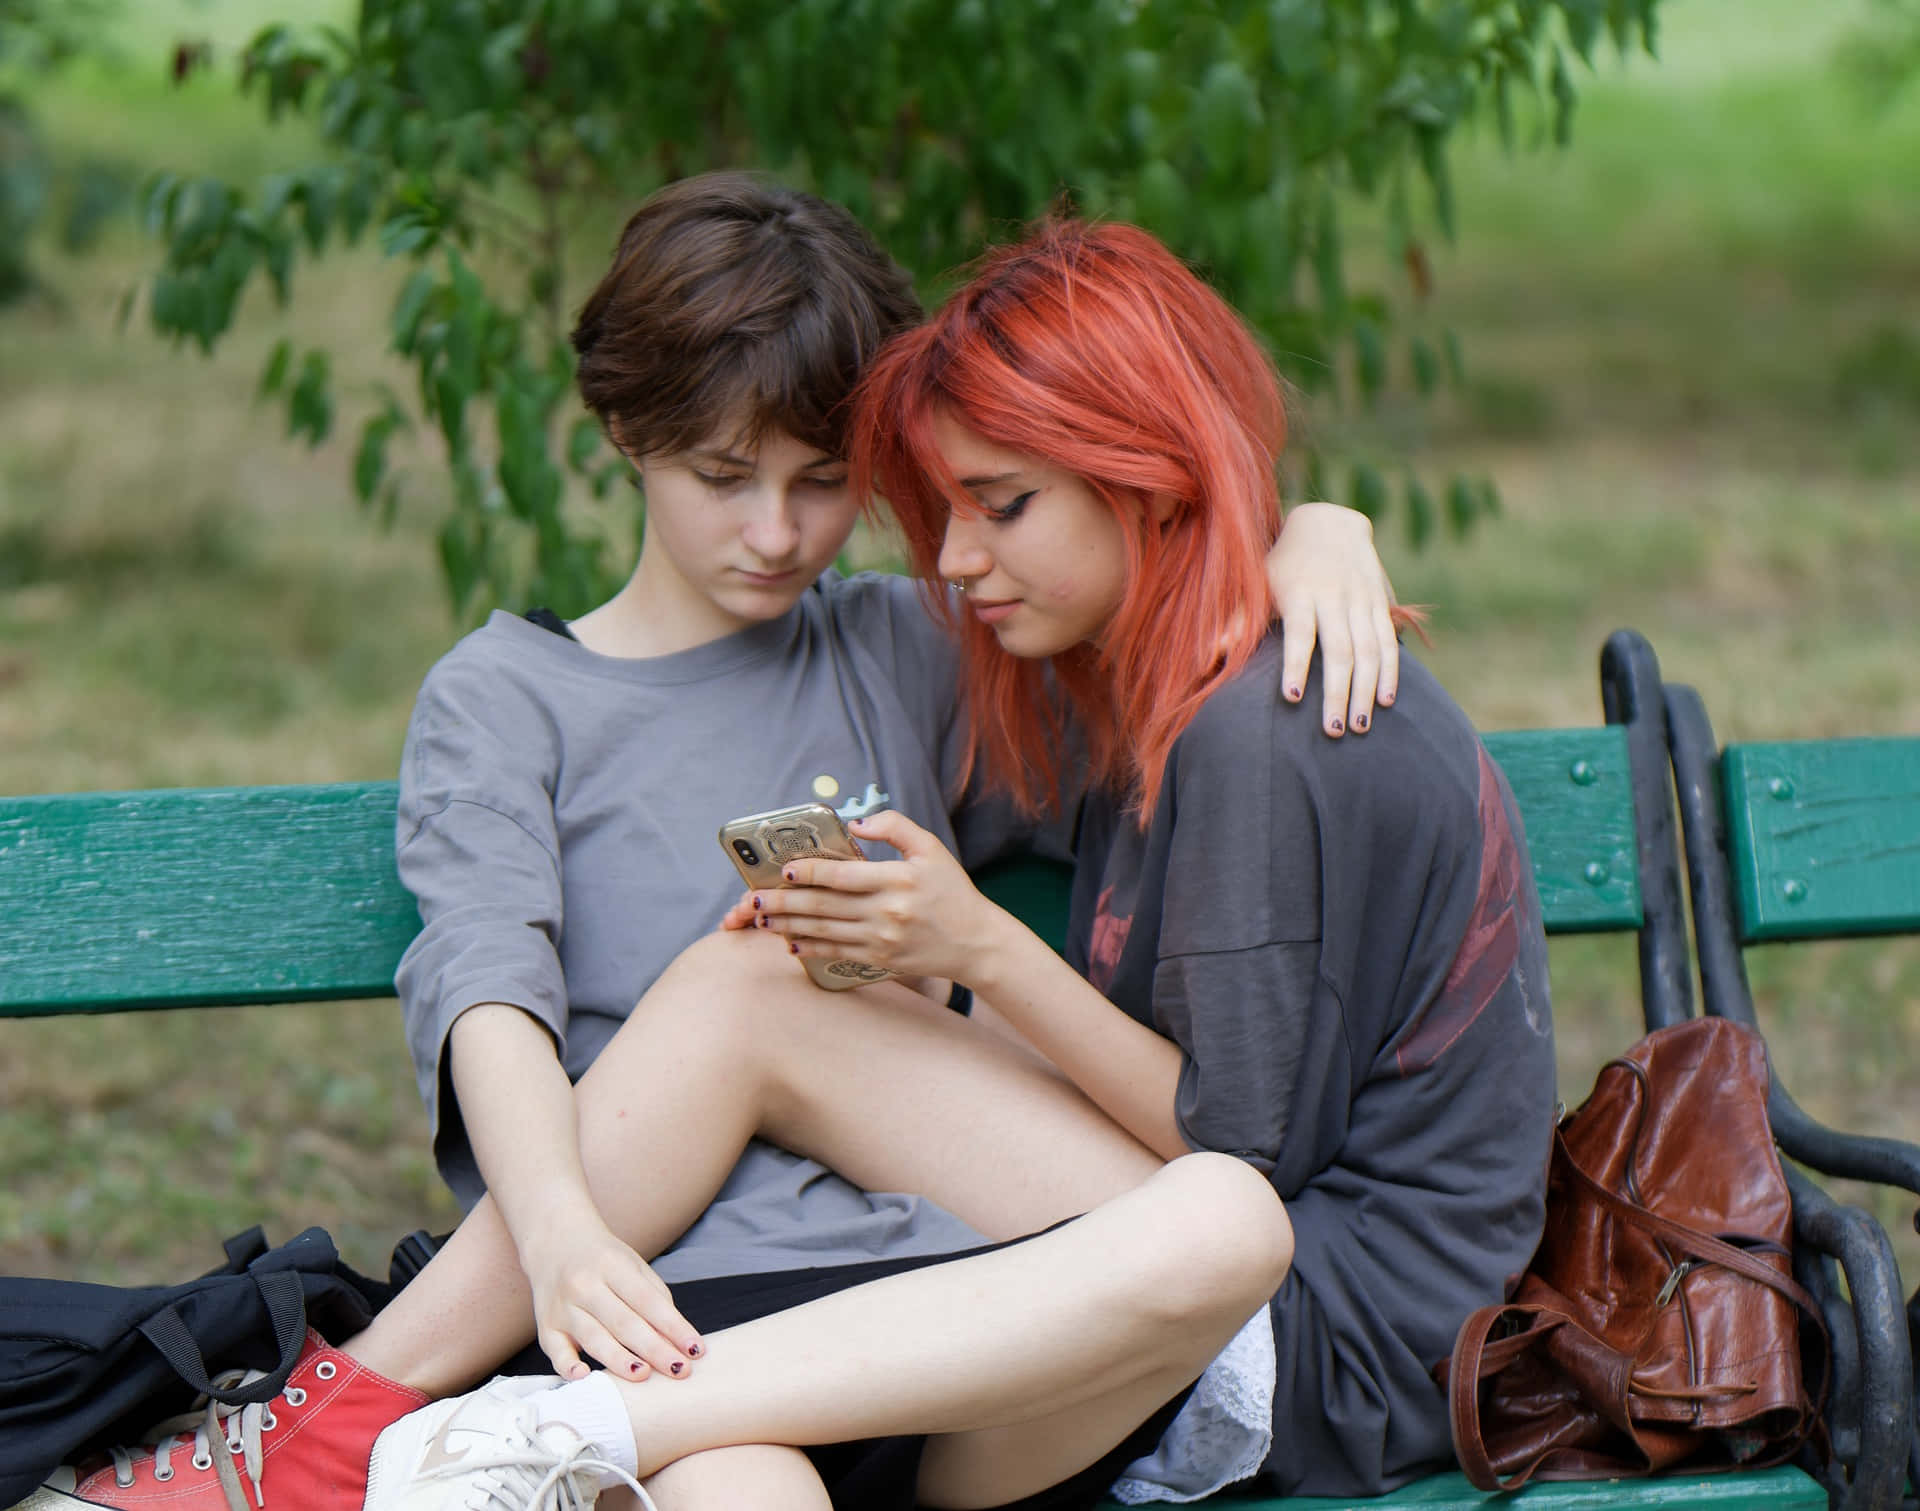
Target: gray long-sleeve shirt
[(558, 813), (1345, 942)]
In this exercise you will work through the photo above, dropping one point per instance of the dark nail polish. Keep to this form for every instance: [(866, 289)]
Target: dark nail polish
[(756, 900), (1360, 723), (694, 1350), (1294, 694), (792, 948), (1335, 727), (787, 875), (677, 1367), (635, 1366)]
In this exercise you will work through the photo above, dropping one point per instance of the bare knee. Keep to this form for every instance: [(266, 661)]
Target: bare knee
[(1222, 1243), (724, 1479), (719, 988)]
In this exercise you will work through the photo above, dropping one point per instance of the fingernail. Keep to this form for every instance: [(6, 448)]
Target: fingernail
[(694, 1350), (1360, 722), (787, 875), (1385, 700), (636, 1366), (792, 948), (756, 899), (1334, 726), (763, 922), (1293, 695), (677, 1367)]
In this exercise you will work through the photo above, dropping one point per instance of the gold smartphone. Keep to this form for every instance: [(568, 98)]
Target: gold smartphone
[(761, 843)]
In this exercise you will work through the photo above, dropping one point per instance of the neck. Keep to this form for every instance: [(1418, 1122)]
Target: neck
[(655, 614)]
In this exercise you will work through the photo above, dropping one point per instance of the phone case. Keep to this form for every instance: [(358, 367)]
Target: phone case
[(761, 843)]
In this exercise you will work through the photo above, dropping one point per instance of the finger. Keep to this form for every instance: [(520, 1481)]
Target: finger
[(657, 1332), (1366, 676), (560, 1350), (1296, 653), (840, 875), (895, 829), (741, 915), (614, 1356), (1389, 687), (1336, 673), (835, 931), (808, 902)]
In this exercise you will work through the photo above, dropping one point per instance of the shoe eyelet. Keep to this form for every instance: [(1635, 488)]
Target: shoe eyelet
[(295, 1396), (163, 1475), (268, 1421), (203, 1460), (326, 1369)]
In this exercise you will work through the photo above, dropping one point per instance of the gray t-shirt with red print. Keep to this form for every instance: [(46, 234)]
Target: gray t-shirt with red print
[(558, 820), (1345, 942)]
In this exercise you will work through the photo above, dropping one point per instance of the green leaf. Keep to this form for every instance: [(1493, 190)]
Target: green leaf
[(1370, 352), (1463, 502), (1560, 84), (583, 442), (1456, 359), (370, 462), (409, 307), (274, 374), (1425, 364), (1420, 513), (1368, 491), (310, 403)]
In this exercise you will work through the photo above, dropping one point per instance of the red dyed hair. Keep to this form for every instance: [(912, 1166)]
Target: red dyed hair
[(1095, 349)]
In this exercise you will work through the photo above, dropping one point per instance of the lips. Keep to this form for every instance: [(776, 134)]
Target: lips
[(769, 579), (994, 610)]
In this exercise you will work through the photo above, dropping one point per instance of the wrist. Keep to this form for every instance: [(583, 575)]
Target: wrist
[(994, 961)]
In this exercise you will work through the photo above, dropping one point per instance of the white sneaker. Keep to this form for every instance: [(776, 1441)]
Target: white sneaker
[(488, 1451)]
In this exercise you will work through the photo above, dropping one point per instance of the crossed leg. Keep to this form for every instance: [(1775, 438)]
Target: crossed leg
[(1089, 1327)]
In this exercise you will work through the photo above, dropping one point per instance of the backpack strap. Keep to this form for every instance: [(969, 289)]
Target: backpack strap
[(286, 1303)]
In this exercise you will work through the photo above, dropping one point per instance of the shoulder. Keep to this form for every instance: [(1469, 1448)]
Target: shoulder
[(1421, 750), (500, 670), (891, 617)]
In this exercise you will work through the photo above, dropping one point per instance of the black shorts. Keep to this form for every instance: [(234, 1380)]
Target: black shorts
[(875, 1474)]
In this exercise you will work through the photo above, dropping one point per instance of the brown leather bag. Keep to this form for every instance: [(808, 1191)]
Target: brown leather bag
[(1658, 1324)]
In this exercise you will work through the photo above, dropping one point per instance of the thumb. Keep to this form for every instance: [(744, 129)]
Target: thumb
[(896, 829)]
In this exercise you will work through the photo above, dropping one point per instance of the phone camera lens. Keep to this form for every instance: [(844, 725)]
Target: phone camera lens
[(746, 852)]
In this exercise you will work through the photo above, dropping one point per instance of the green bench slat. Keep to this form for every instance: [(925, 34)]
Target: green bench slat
[(1764, 1489), (288, 894), (1575, 791), (218, 895), (1824, 836)]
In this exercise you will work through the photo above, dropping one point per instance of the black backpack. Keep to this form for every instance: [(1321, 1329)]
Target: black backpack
[(83, 1367)]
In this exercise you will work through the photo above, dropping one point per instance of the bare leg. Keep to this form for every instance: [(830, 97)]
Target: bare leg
[(893, 1092), (759, 1477), (1031, 1361)]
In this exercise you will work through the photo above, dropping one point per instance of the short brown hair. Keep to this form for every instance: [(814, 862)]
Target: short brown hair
[(731, 298)]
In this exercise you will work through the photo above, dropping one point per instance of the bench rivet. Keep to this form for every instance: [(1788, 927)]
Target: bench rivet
[(1583, 773), (1597, 872), (1780, 788), (1793, 890)]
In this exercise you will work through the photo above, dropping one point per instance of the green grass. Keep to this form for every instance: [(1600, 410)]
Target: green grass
[(1694, 354)]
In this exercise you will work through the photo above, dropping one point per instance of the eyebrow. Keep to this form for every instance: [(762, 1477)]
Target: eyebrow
[(735, 459), (974, 484)]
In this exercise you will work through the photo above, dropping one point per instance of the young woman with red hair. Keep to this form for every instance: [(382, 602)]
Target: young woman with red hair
[(1328, 964)]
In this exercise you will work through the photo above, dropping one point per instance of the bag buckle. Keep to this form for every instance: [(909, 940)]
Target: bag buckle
[(1680, 1273)]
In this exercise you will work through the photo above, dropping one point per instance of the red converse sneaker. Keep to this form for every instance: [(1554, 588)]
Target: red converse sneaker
[(304, 1450)]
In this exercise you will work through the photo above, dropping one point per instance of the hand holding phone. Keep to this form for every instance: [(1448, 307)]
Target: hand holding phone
[(760, 844)]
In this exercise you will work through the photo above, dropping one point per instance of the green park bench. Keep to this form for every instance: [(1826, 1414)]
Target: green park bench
[(208, 897)]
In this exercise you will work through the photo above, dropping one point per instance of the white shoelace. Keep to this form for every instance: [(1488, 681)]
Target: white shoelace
[(239, 1437), (530, 1474)]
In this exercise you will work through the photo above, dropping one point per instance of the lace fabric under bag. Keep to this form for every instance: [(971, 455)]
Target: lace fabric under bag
[(1659, 1324)]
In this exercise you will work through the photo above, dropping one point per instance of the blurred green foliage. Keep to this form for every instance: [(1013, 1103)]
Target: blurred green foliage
[(1883, 56), (474, 138), (36, 37)]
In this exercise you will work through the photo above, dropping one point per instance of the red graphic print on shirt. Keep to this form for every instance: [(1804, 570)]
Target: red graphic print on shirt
[(1108, 940), (1491, 946)]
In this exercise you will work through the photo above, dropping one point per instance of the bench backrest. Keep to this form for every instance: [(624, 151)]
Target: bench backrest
[(182, 897), (1823, 836)]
